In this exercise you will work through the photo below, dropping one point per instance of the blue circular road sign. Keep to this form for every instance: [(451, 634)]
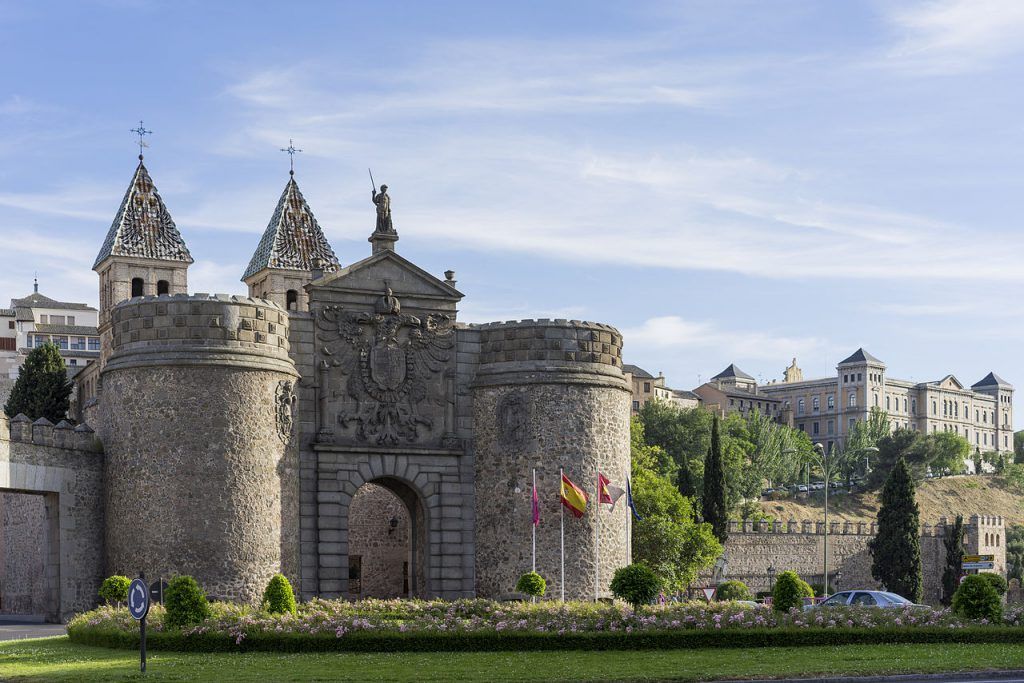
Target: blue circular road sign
[(138, 599)]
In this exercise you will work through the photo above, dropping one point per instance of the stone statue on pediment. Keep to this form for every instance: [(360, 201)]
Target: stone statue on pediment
[(793, 373)]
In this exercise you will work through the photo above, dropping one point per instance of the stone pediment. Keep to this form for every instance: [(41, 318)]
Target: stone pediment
[(950, 382), (384, 269)]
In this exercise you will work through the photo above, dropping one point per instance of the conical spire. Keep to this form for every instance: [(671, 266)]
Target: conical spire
[(293, 239), (143, 227)]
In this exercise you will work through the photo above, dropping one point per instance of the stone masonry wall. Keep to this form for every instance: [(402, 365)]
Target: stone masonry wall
[(198, 408), (383, 549), (23, 554), (61, 467), (752, 549), (548, 395)]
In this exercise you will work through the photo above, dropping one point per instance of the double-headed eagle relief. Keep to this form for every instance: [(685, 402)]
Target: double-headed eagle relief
[(392, 361)]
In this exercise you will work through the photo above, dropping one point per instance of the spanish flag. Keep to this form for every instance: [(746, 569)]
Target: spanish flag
[(573, 497)]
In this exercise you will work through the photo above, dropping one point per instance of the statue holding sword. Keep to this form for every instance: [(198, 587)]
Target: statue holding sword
[(383, 202)]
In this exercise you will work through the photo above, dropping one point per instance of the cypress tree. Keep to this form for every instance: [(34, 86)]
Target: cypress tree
[(954, 542), (713, 501), (42, 388), (896, 550)]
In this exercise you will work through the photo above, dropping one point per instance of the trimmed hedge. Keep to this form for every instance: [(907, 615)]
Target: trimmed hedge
[(366, 641), (279, 597)]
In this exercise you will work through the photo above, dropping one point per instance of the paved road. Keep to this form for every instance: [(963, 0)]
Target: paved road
[(16, 630)]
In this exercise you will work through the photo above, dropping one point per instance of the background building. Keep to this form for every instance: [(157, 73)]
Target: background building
[(35, 320), (646, 387)]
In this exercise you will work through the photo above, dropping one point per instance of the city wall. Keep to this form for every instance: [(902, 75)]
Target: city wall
[(757, 551), (51, 495)]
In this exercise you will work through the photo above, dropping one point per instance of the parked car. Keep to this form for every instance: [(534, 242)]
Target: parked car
[(867, 598), (801, 488), (767, 492), (818, 485)]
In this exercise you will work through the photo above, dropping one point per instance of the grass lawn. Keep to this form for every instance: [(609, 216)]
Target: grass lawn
[(56, 659)]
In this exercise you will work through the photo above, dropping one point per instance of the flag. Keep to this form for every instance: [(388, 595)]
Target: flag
[(573, 497), (535, 507), (607, 493), (629, 500)]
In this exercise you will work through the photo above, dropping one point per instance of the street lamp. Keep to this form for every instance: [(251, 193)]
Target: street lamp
[(865, 451), (824, 461)]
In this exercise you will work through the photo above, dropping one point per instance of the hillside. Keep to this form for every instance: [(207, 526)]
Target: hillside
[(965, 495)]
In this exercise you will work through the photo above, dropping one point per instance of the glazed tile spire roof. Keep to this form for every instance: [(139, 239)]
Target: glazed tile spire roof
[(143, 227), (293, 239)]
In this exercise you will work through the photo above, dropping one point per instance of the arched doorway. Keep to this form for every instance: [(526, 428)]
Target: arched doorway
[(386, 541)]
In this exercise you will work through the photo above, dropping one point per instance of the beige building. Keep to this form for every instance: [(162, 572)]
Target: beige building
[(646, 387), (827, 408), (734, 391)]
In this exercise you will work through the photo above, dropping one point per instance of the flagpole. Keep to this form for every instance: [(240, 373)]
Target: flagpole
[(533, 522), (561, 518), (597, 532)]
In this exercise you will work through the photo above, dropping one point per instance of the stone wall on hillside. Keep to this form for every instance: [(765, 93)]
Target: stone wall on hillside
[(757, 551)]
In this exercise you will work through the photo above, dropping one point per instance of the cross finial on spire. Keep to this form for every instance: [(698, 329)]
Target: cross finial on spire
[(292, 151), (141, 132)]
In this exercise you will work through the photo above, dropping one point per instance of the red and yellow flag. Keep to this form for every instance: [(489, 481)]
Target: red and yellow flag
[(573, 497)]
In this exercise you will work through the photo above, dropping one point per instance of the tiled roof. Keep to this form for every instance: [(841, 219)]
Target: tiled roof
[(682, 393), (6, 312), (143, 227), (37, 300), (860, 356), (991, 380), (293, 239), (732, 371), (82, 330), (636, 371)]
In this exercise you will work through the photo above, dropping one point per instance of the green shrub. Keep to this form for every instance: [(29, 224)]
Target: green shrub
[(637, 584), (114, 589), (733, 590), (997, 581), (185, 602), (532, 584), (278, 597), (789, 592), (977, 599)]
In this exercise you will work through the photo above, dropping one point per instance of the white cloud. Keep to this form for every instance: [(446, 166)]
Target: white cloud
[(954, 36), (680, 335)]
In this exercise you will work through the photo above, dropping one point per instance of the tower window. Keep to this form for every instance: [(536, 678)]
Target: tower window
[(163, 287), (292, 301), (136, 286)]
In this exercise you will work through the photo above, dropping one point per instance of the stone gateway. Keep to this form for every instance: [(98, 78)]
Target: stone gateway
[(336, 423)]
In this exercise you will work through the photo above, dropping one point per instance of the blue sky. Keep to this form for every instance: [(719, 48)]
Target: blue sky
[(723, 181)]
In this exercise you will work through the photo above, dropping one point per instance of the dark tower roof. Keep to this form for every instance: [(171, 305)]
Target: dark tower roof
[(732, 371), (860, 356), (293, 239), (143, 227), (991, 380)]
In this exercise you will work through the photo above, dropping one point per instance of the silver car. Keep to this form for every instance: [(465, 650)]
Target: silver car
[(866, 598)]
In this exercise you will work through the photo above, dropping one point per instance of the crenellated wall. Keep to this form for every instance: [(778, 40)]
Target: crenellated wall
[(52, 482), (753, 549)]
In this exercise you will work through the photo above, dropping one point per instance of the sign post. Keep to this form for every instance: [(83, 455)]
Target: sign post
[(138, 606)]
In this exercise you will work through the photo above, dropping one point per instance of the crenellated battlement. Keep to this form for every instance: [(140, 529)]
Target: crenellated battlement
[(990, 523), (558, 340), (42, 432), (201, 328)]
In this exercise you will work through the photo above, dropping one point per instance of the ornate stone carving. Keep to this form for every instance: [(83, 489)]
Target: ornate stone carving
[(392, 360), (285, 402), (512, 418)]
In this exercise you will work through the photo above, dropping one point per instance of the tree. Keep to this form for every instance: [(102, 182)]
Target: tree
[(42, 388), (954, 542), (1018, 446), (896, 550), (636, 583), (684, 434), (713, 503), (666, 538), (902, 444), (949, 452)]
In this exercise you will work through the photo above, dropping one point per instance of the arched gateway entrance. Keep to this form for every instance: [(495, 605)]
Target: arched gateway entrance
[(386, 541)]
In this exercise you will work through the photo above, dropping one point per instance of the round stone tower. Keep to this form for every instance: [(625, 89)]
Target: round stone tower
[(549, 395), (197, 410)]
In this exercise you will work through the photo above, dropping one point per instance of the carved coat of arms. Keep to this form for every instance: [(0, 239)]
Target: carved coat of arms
[(285, 401), (391, 360)]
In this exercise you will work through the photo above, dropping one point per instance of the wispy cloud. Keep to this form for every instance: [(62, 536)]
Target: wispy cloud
[(940, 37), (679, 334)]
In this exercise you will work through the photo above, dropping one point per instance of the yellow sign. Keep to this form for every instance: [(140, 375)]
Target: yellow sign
[(979, 558)]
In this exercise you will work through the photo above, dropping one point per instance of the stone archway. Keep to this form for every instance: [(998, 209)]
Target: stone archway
[(386, 541)]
